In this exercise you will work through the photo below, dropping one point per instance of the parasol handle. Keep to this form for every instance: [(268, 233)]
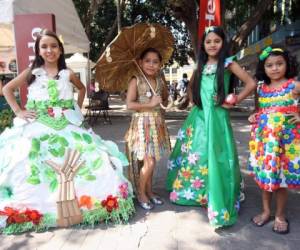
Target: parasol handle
[(149, 84)]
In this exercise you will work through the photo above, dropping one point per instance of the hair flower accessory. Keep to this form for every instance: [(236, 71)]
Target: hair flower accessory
[(209, 29), (60, 37), (266, 52)]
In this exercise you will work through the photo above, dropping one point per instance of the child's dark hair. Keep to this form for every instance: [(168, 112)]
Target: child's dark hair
[(150, 50), (39, 61), (202, 60), (291, 63)]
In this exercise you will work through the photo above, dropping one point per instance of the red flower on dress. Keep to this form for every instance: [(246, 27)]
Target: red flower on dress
[(33, 215), (110, 203), (50, 112), (85, 201), (15, 216), (189, 132)]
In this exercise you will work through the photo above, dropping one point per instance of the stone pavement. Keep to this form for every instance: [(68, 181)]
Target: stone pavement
[(171, 227)]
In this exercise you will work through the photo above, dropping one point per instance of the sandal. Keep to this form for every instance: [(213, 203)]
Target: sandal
[(281, 225), (261, 221)]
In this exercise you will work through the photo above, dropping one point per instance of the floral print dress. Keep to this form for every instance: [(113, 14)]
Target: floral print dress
[(275, 143), (203, 166), (29, 187)]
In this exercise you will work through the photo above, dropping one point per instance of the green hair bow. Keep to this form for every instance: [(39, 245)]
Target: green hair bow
[(266, 52)]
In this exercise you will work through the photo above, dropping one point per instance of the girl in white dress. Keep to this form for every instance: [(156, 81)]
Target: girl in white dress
[(52, 171)]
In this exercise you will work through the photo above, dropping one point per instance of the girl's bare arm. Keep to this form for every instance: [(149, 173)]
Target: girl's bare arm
[(79, 86), (249, 82), (8, 92)]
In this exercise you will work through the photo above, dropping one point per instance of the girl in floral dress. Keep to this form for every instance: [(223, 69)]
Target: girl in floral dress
[(36, 152), (275, 135), (147, 138), (203, 167)]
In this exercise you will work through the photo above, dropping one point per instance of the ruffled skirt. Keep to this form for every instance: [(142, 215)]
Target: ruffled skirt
[(146, 136)]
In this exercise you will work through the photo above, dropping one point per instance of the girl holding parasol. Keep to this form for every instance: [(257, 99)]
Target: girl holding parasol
[(147, 137)]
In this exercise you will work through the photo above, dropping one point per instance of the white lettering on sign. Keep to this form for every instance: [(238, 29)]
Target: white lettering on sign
[(210, 12), (34, 33)]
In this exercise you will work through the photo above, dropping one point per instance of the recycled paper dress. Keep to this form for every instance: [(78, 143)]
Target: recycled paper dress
[(147, 134), (203, 167), (275, 143), (29, 186)]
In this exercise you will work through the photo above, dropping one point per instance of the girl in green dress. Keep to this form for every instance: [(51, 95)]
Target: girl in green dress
[(203, 167)]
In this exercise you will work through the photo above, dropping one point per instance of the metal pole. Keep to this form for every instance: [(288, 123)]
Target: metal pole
[(118, 15)]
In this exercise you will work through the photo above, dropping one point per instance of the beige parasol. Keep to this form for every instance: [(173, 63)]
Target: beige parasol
[(118, 63)]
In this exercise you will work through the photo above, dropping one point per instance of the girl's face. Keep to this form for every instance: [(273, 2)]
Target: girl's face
[(212, 44), (275, 67), (49, 49), (150, 64)]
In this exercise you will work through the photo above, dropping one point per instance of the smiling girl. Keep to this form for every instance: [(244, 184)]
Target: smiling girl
[(47, 130), (203, 167), (274, 145), (147, 137)]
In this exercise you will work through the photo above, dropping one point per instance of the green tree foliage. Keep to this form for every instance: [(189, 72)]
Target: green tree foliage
[(181, 16), (103, 26)]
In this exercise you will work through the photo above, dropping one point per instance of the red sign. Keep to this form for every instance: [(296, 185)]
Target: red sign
[(209, 15), (26, 29)]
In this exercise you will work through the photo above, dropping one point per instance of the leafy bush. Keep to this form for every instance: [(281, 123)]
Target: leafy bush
[(6, 119)]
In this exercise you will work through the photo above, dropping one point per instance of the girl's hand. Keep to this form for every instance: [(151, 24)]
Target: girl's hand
[(155, 100), (253, 118), (26, 114), (295, 118)]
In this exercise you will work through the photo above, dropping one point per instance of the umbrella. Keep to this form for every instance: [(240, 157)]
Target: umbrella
[(118, 63)]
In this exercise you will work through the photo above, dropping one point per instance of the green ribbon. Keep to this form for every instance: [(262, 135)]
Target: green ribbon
[(266, 52)]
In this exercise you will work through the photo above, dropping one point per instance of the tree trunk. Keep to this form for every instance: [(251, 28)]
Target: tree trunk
[(186, 11), (94, 5), (114, 29), (244, 31)]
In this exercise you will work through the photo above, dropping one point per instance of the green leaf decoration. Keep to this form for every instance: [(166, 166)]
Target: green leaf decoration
[(97, 204), (44, 137), (90, 177), (34, 170), (63, 142), (90, 148), (61, 151), (33, 155), (79, 147), (49, 173), (5, 192), (54, 152), (53, 185), (76, 136), (35, 145), (97, 163), (87, 138), (53, 139), (34, 180), (83, 171)]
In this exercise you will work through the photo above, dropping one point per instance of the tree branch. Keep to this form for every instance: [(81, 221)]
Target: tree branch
[(92, 11), (245, 30), (186, 11)]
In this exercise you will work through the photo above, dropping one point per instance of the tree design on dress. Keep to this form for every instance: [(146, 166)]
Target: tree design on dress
[(68, 212)]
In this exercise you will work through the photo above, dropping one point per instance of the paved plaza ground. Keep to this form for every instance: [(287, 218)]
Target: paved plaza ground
[(171, 227)]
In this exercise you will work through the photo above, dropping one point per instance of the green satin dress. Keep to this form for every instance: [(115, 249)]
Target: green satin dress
[(203, 169)]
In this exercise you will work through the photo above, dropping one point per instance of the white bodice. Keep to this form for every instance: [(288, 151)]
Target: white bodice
[(38, 90)]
